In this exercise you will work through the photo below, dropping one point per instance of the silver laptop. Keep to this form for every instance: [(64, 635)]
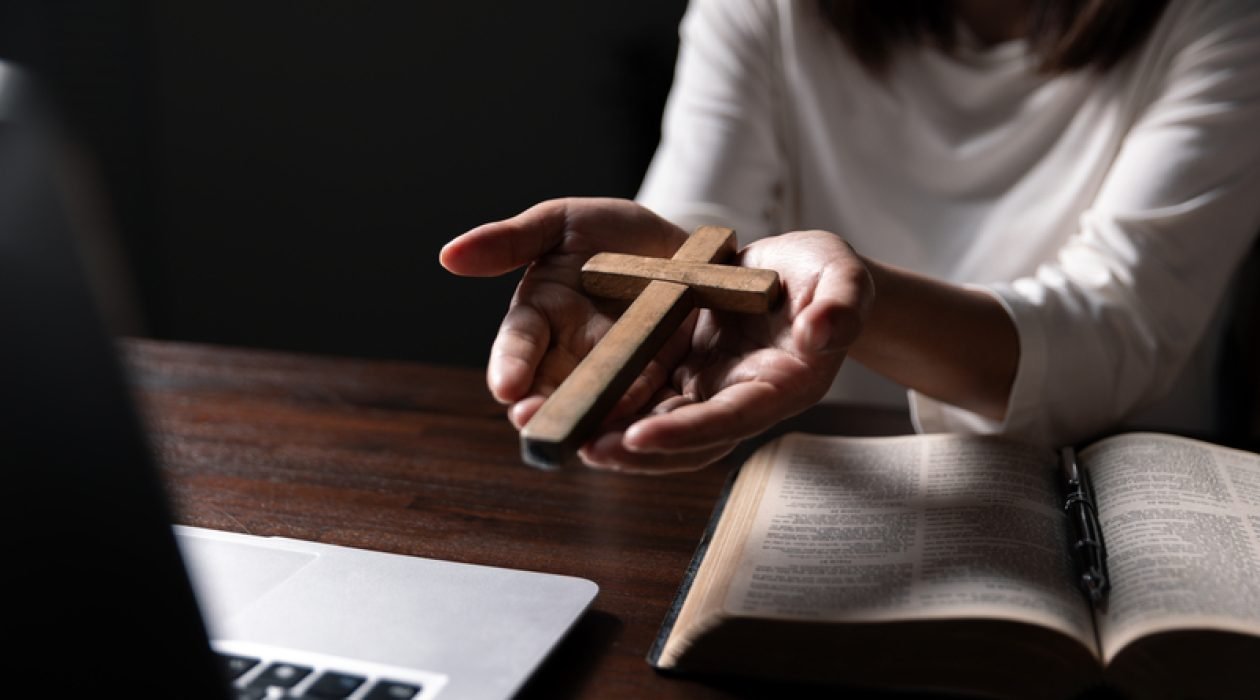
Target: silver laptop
[(107, 597), (411, 627)]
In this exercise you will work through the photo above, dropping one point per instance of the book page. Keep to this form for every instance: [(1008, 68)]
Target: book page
[(929, 526), (1181, 522)]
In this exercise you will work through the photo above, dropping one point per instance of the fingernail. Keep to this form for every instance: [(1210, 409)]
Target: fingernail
[(599, 453), (633, 440), (606, 444), (500, 387)]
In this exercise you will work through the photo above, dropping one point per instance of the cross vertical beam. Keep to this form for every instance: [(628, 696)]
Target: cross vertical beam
[(575, 410)]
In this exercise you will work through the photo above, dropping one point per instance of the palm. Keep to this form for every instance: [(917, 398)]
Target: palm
[(727, 349), (760, 355)]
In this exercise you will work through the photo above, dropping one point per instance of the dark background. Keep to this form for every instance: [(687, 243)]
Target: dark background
[(283, 173)]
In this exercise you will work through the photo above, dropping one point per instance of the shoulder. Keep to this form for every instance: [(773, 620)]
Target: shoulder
[(1204, 52), (1190, 28), (769, 33), (750, 21), (735, 18), (1196, 16), (737, 37)]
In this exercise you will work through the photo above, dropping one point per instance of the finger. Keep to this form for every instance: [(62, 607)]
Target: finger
[(521, 411), (649, 389), (516, 353), (608, 453), (581, 226), (652, 386), (502, 246), (829, 288), (640, 392), (735, 413)]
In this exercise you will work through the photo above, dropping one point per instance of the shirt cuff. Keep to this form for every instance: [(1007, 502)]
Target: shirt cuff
[(1024, 405)]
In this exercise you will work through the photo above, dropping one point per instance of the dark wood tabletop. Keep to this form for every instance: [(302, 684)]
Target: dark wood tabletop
[(418, 459)]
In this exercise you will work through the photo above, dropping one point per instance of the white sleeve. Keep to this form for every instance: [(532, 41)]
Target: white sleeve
[(718, 161), (1106, 328)]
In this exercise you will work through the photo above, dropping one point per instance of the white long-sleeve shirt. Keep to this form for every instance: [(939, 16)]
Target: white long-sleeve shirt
[(1105, 211)]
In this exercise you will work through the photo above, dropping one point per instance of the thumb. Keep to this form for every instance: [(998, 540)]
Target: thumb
[(833, 319), (502, 246)]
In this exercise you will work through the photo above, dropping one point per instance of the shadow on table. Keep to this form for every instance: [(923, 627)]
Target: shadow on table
[(567, 670)]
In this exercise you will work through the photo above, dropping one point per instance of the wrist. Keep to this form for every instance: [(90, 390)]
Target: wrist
[(955, 344)]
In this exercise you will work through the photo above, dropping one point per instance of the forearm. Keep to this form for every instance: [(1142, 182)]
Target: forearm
[(954, 344)]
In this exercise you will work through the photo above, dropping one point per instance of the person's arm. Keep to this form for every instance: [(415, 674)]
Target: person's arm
[(721, 157), (955, 344), (1053, 357), (1106, 327)]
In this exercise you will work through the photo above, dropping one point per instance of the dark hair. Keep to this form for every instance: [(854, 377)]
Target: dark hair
[(1067, 35)]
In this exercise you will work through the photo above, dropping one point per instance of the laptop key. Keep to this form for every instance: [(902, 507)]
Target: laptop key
[(391, 690), (279, 675), (236, 666), (250, 694), (331, 685), (275, 692)]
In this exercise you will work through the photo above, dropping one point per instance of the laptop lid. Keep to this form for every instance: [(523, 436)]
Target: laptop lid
[(100, 587), (93, 560)]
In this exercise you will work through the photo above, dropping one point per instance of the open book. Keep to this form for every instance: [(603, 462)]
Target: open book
[(941, 562)]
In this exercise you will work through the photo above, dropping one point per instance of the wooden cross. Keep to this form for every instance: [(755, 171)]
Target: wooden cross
[(664, 291)]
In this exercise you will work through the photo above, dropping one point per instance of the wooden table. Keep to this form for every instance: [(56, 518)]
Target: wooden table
[(418, 459)]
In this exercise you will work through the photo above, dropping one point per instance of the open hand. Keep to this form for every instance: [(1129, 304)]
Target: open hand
[(722, 378)]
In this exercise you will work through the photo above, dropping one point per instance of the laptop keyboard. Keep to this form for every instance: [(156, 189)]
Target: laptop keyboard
[(254, 679)]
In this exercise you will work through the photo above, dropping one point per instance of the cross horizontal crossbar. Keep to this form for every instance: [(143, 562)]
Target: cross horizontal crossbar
[(723, 287)]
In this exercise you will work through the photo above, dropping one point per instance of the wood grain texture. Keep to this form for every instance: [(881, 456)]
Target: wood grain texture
[(572, 413), (580, 404), (420, 460), (722, 287)]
